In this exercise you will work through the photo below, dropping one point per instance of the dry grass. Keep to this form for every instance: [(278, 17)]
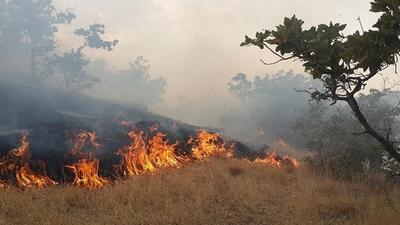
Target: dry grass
[(217, 192)]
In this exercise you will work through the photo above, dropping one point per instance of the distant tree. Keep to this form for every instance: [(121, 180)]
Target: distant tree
[(71, 64), (147, 89), (272, 101), (344, 64), (135, 84), (29, 26)]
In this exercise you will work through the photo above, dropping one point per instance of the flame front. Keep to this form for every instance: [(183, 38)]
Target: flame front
[(146, 156), (86, 170), (135, 157), (86, 173), (26, 178), (163, 154), (17, 163), (274, 160)]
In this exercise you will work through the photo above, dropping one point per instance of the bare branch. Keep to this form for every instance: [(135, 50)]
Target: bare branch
[(362, 27), (269, 64), (275, 53)]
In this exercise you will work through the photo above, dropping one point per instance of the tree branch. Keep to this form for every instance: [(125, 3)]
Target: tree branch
[(275, 53)]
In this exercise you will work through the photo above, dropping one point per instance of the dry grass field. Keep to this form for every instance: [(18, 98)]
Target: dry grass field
[(216, 192)]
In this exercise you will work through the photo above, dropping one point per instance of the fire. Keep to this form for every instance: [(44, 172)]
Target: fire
[(148, 152), (135, 157), (86, 173), (274, 160), (208, 144), (80, 140), (163, 154), (17, 162), (86, 170), (3, 185), (146, 156), (26, 178)]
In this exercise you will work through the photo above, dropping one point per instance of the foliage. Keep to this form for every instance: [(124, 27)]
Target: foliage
[(92, 37), (269, 102), (344, 64), (30, 26), (135, 84), (333, 136), (27, 36), (71, 64)]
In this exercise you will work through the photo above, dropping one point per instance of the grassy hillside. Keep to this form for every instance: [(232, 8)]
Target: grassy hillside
[(217, 192)]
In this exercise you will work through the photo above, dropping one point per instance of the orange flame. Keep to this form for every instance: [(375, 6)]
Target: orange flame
[(26, 178), (163, 154), (143, 156), (17, 161), (3, 185), (274, 160), (208, 144), (86, 173), (86, 170), (80, 140), (135, 159)]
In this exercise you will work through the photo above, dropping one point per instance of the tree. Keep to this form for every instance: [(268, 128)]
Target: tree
[(328, 132), (30, 26), (71, 64), (344, 64), (269, 103), (136, 84)]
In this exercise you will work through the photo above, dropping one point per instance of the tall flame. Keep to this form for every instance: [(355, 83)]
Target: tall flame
[(146, 156), (163, 154), (135, 157), (86, 173), (86, 170), (17, 162)]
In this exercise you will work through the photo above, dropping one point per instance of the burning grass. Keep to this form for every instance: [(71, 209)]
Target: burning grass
[(220, 191), (154, 182), (148, 153)]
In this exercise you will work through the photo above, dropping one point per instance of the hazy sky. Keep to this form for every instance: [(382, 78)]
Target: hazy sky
[(194, 44)]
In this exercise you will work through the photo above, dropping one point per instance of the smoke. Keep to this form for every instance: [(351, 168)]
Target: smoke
[(190, 52)]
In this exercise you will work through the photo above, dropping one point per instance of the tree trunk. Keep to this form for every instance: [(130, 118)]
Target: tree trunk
[(368, 129)]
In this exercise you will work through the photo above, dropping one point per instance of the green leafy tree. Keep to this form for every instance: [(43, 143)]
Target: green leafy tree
[(344, 64)]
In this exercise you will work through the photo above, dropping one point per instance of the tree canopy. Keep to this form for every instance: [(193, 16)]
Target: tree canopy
[(344, 64)]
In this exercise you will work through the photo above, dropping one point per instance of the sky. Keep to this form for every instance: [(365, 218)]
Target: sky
[(195, 44)]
